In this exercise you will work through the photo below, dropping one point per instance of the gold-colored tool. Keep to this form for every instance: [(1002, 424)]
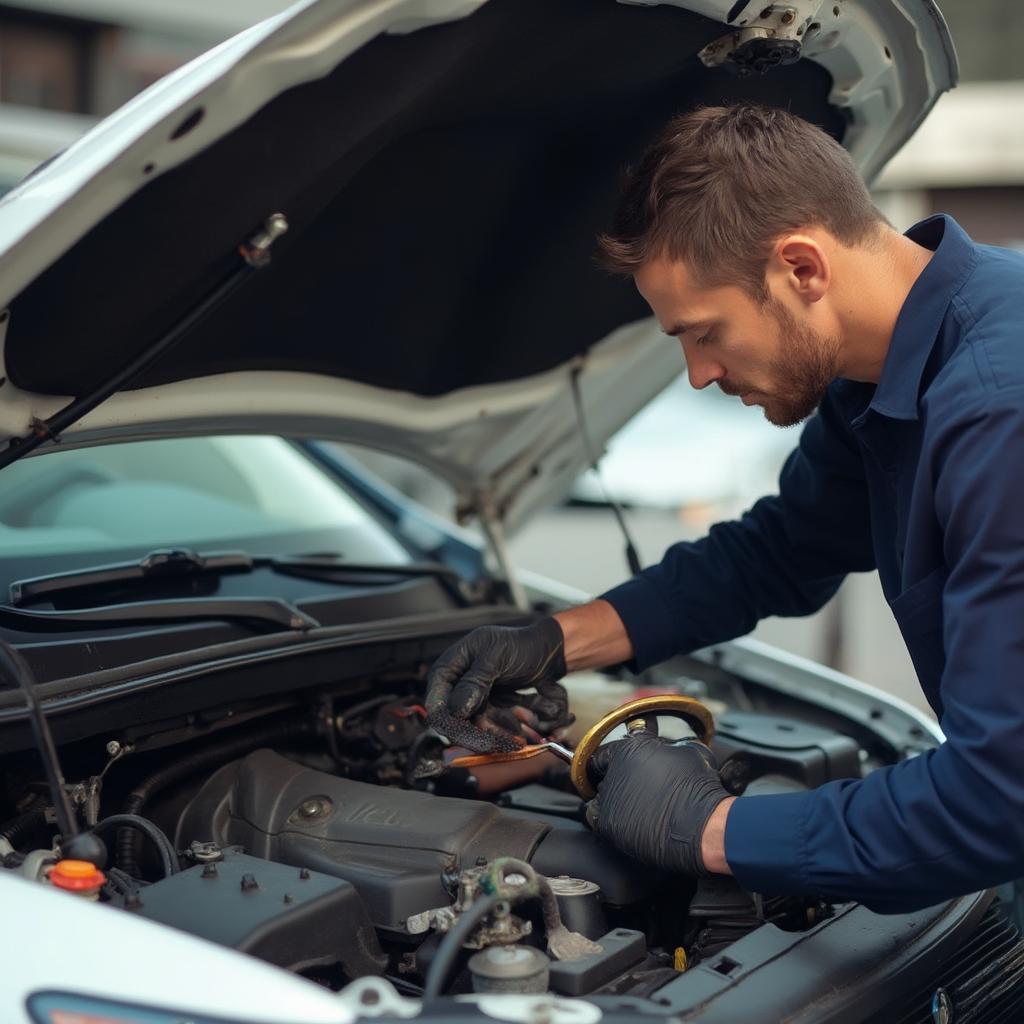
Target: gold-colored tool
[(694, 713), (636, 714)]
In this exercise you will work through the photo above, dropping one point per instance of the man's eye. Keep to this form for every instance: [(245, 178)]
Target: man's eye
[(706, 339)]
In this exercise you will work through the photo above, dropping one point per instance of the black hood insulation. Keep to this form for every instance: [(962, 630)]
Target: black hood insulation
[(444, 191)]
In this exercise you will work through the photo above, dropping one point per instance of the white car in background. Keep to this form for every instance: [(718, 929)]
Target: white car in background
[(690, 450)]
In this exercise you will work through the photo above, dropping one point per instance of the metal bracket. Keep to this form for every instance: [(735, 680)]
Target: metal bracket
[(772, 36), (256, 252)]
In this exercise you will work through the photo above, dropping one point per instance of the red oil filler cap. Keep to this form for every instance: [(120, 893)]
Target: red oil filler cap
[(77, 876)]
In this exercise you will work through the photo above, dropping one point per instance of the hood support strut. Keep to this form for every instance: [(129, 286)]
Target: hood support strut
[(254, 253), (490, 520)]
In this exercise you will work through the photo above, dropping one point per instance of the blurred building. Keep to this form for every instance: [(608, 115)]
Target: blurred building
[(967, 159), (66, 63)]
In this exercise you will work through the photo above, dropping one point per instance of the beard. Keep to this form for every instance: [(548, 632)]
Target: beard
[(807, 365)]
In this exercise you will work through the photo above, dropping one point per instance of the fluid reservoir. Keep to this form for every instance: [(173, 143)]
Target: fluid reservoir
[(509, 969), (580, 905), (78, 876)]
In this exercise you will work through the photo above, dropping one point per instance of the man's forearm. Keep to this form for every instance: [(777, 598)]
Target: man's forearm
[(594, 636), (712, 842)]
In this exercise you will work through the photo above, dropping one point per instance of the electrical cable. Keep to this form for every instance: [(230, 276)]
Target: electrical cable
[(123, 885), (632, 558), (168, 855), (451, 944)]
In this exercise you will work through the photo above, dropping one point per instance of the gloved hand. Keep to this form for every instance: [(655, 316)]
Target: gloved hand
[(654, 799), (482, 676)]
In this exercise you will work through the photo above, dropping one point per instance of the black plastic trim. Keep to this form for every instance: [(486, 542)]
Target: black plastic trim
[(64, 695)]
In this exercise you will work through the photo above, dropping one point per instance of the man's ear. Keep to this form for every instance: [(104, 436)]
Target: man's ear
[(800, 263)]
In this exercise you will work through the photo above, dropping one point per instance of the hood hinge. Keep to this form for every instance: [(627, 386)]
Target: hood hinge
[(765, 35)]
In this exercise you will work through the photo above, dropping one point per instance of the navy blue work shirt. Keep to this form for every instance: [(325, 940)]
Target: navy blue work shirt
[(921, 476)]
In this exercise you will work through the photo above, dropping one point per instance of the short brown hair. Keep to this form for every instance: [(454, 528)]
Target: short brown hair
[(720, 184)]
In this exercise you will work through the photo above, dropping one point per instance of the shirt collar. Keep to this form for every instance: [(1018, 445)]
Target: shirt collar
[(921, 315)]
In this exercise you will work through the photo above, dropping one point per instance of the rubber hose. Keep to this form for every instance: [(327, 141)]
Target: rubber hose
[(18, 829), (448, 951), (216, 754), (168, 855)]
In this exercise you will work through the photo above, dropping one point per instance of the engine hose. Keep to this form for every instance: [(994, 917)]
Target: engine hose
[(168, 855), (18, 829), (122, 884), (215, 754), (448, 950)]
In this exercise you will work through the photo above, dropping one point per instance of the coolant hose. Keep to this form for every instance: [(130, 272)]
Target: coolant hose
[(168, 855)]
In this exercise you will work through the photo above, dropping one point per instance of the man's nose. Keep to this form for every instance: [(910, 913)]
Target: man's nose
[(701, 370)]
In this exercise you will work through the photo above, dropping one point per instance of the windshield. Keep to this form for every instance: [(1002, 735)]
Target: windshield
[(258, 494)]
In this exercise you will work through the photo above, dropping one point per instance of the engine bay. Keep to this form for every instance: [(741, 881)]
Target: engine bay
[(329, 836)]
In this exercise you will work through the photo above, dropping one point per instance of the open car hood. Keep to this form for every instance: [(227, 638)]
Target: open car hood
[(444, 167)]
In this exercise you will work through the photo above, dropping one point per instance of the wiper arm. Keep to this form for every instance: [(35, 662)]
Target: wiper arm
[(255, 609), (170, 562)]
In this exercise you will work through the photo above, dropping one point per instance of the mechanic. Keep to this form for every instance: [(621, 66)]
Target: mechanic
[(754, 241)]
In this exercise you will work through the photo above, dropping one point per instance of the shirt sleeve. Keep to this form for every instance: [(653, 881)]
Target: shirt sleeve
[(786, 556), (949, 821)]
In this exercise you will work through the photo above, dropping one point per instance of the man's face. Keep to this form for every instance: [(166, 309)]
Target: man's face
[(763, 354)]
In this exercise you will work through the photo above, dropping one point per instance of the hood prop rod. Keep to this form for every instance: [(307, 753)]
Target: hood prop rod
[(490, 520), (632, 558), (254, 253), (74, 845)]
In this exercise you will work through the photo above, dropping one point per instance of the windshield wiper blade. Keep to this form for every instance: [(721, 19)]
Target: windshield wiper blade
[(335, 567), (272, 610), (173, 563), (162, 564)]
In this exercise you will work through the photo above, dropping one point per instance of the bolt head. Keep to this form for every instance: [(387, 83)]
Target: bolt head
[(277, 224), (113, 748), (313, 807)]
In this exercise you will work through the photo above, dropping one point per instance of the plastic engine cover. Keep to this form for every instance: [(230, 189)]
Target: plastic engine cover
[(392, 844), (291, 917)]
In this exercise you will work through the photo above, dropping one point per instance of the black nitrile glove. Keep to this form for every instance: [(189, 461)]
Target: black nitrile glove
[(654, 799), (482, 676)]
